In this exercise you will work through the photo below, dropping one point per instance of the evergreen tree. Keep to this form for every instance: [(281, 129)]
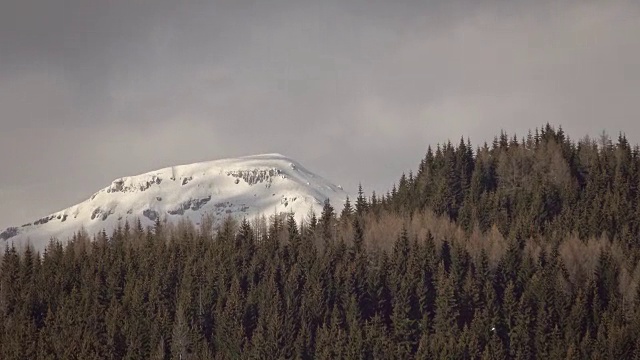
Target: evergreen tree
[(361, 201), (327, 220), (347, 211)]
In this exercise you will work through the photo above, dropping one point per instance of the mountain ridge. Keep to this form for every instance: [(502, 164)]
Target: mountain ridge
[(246, 186)]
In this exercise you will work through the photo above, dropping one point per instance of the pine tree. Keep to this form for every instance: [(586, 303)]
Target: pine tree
[(446, 316), (231, 334), (347, 211), (181, 346), (361, 201), (358, 235), (327, 220)]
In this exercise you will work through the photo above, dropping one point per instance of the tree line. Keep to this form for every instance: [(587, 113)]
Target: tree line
[(493, 253)]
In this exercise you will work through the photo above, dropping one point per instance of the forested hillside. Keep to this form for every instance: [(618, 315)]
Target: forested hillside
[(521, 249)]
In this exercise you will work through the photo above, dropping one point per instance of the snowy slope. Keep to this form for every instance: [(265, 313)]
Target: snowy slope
[(241, 187)]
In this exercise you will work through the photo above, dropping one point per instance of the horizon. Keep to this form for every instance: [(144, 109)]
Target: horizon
[(350, 194)]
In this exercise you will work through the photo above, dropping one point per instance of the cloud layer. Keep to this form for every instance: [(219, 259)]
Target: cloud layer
[(355, 90)]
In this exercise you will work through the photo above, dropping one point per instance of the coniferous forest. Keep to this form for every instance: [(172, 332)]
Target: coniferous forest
[(523, 248)]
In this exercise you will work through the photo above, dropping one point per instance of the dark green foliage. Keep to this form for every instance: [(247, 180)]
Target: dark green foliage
[(542, 185), (361, 201), (347, 288)]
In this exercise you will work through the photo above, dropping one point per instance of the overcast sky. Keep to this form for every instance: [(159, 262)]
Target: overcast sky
[(92, 90)]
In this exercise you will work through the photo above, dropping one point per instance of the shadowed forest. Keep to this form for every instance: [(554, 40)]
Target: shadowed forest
[(524, 248)]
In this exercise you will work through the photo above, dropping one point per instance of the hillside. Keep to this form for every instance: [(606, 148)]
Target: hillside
[(243, 187)]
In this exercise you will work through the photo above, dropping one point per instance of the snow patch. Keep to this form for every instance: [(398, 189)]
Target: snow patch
[(242, 187)]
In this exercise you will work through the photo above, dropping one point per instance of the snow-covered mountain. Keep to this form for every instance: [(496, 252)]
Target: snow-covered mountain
[(241, 187)]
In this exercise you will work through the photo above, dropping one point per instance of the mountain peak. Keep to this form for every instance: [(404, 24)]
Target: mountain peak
[(241, 187)]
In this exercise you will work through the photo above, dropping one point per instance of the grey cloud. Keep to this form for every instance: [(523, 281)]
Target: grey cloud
[(356, 90)]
